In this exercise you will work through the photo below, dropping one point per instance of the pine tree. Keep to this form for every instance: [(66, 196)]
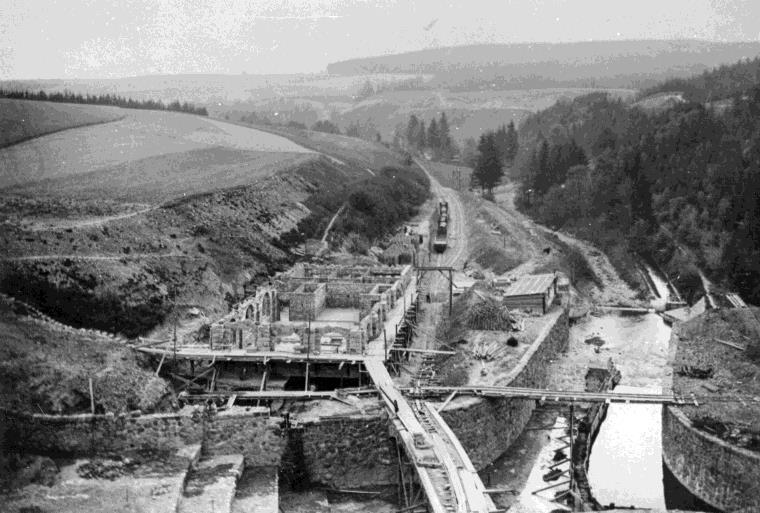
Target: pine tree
[(488, 170), (421, 137), (512, 144), (366, 91), (500, 137), (412, 129), (641, 193), (433, 140), (542, 180), (445, 146)]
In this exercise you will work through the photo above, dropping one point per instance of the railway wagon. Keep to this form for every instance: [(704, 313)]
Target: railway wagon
[(440, 241)]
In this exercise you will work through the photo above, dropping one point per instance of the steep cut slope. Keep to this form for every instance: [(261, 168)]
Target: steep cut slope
[(186, 219), (128, 273)]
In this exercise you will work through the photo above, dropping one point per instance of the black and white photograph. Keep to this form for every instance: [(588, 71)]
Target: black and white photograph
[(382, 256)]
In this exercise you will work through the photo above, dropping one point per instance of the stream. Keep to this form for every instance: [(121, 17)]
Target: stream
[(625, 466)]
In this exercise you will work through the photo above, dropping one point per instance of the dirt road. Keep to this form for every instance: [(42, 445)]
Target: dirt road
[(64, 224), (613, 290), (130, 256)]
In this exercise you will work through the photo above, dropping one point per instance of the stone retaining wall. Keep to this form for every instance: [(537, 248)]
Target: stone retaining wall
[(487, 427), (101, 434), (350, 452), (723, 475), (347, 452), (260, 439), (236, 431)]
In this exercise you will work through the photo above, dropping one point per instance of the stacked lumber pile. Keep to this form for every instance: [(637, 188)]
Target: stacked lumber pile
[(489, 315)]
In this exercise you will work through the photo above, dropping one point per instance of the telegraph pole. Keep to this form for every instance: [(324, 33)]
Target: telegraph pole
[(308, 352)]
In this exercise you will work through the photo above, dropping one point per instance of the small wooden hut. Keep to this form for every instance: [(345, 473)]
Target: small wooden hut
[(533, 293)]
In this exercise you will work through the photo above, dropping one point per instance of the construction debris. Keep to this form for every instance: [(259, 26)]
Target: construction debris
[(595, 340), (489, 315), (695, 372)]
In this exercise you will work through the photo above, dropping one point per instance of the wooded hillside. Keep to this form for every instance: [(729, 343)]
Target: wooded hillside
[(687, 177)]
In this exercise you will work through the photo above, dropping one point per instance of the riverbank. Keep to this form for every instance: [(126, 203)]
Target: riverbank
[(712, 449)]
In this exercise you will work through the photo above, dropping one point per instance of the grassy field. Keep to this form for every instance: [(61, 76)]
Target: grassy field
[(341, 148), (21, 119), (147, 157)]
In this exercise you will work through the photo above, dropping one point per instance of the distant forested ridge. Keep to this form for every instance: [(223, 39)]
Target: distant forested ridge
[(629, 63), (680, 186), (103, 99), (717, 84)]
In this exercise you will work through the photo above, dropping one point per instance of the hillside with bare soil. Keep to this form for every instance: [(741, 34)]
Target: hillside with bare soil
[(718, 353), (127, 242), (46, 367), (128, 274)]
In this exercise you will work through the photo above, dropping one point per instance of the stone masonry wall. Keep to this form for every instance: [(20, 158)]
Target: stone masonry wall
[(307, 302), (102, 434), (487, 427), (235, 431), (724, 476), (349, 452), (346, 294)]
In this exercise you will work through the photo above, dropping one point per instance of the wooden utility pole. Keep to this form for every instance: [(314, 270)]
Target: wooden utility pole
[(442, 270), (174, 363), (92, 399), (308, 353)]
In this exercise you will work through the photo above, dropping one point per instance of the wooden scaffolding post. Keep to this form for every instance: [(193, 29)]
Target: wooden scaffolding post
[(451, 291), (92, 399), (572, 446)]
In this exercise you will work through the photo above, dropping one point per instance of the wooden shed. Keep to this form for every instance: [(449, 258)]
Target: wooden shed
[(532, 292)]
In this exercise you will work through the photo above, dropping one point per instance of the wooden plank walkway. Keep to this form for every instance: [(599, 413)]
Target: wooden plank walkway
[(572, 396), (202, 353), (445, 471), (282, 394)]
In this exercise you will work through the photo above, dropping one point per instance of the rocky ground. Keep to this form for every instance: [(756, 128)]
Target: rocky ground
[(45, 367), (729, 370)]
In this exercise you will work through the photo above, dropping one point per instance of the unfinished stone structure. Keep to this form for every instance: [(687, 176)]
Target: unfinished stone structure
[(314, 308)]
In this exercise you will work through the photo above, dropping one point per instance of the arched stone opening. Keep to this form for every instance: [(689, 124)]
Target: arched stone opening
[(266, 305)]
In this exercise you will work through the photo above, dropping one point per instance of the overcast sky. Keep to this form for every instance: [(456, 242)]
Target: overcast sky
[(104, 38)]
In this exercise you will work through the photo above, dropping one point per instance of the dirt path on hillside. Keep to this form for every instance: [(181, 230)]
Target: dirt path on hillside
[(64, 224), (332, 221), (613, 291), (131, 256)]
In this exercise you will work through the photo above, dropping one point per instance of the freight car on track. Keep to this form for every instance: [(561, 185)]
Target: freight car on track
[(440, 240)]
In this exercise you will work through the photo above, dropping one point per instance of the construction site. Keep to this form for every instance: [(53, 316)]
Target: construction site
[(377, 386)]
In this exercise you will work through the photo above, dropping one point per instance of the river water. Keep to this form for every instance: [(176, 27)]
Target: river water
[(625, 467)]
